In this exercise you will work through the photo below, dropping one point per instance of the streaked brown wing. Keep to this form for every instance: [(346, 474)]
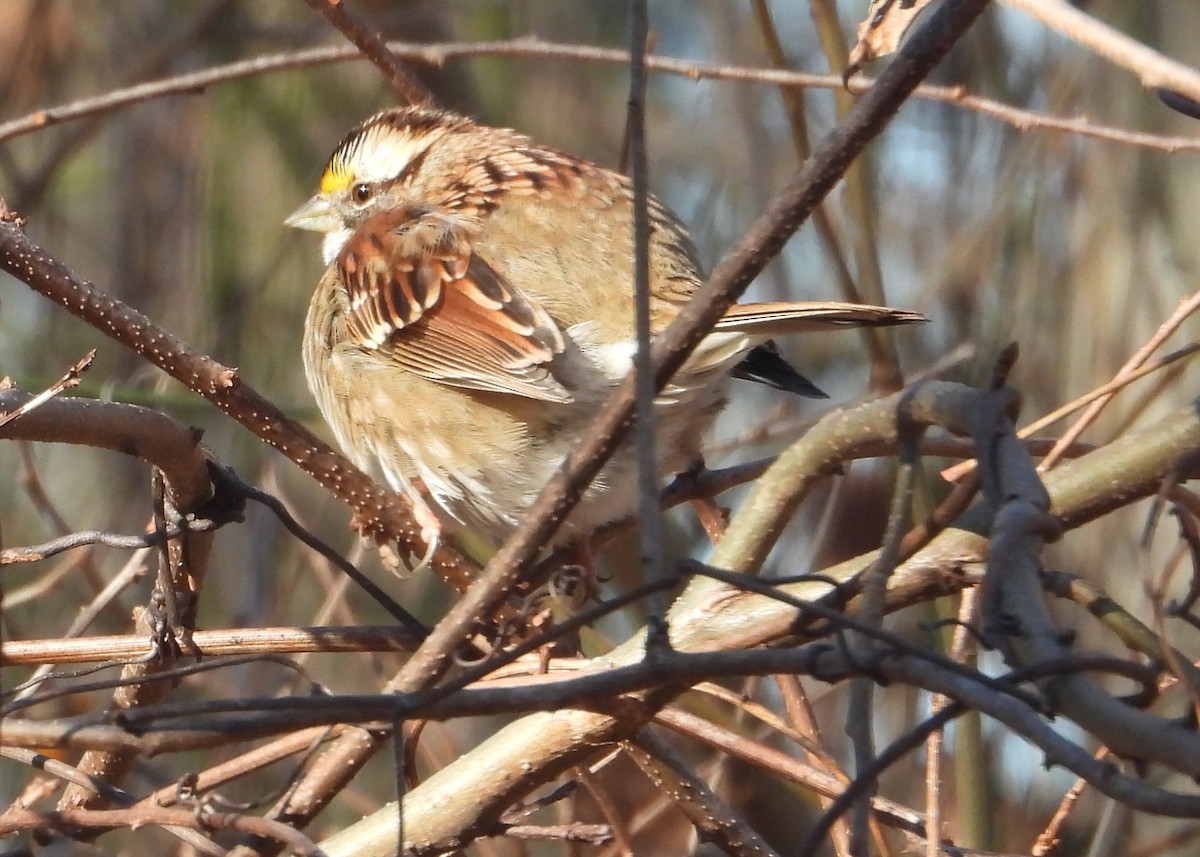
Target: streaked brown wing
[(418, 294)]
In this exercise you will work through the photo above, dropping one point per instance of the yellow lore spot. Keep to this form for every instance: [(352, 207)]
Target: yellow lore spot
[(336, 179)]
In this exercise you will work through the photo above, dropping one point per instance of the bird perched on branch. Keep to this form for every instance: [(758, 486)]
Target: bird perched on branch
[(478, 306)]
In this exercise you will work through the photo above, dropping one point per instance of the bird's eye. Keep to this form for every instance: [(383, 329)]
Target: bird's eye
[(361, 192)]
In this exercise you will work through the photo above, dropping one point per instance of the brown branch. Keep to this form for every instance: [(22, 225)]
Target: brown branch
[(88, 538), (1151, 67), (1187, 307), (147, 434), (592, 834), (374, 49), (588, 686), (783, 765), (291, 744), (650, 528), (1048, 839), (622, 836), (138, 816), (438, 54), (213, 643), (378, 512), (570, 699), (73, 775), (1158, 447), (715, 821)]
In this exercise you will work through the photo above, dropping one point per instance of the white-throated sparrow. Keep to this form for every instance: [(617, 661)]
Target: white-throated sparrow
[(478, 306)]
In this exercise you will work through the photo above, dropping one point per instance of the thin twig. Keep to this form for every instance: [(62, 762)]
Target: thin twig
[(960, 648), (1151, 67), (715, 821), (1048, 839), (649, 513), (213, 644), (827, 784), (309, 539), (66, 382), (438, 54), (374, 49), (872, 603), (1105, 391), (73, 775), (863, 784), (138, 816), (88, 538), (1186, 308)]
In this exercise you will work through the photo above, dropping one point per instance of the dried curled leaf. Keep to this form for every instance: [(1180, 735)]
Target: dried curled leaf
[(880, 33)]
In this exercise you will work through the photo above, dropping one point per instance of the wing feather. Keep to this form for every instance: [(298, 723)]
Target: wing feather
[(419, 294), (778, 318)]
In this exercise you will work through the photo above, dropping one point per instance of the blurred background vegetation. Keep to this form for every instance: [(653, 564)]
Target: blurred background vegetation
[(1073, 247)]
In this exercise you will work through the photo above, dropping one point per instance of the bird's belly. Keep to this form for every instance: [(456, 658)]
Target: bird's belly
[(490, 486), (485, 457), (681, 426)]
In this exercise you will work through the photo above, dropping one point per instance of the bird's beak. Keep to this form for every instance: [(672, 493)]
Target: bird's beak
[(317, 215)]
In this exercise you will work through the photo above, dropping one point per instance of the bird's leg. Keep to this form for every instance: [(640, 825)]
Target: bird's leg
[(431, 529)]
